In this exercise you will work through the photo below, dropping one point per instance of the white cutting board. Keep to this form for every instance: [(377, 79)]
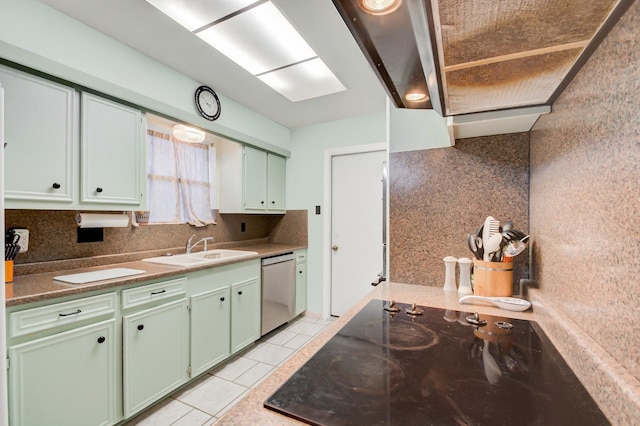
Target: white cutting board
[(106, 274)]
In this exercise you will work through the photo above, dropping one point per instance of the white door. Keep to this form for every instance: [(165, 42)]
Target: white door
[(356, 226)]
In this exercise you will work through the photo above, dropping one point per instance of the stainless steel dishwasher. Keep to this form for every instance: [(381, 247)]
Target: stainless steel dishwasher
[(278, 291)]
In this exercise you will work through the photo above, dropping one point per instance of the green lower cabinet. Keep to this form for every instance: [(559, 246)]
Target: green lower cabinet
[(210, 329), (245, 313), (301, 288), (301, 281), (155, 354), (67, 378)]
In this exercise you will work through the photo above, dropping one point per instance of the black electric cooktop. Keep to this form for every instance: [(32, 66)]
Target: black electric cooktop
[(437, 368)]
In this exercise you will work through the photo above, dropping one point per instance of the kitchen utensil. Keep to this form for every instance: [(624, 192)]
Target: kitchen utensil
[(506, 303), (513, 248), (11, 251), (491, 228), (507, 226), (471, 242), (11, 237), (491, 368), (513, 234), (491, 245)]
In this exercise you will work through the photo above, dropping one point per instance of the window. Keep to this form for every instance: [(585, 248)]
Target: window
[(180, 180)]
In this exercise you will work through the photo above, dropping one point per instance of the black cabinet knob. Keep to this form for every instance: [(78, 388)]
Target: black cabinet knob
[(141, 327), (299, 272), (240, 292), (261, 202), (56, 185), (101, 339), (98, 189), (273, 202), (222, 299)]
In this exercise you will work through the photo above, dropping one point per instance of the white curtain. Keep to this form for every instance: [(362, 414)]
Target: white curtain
[(178, 181)]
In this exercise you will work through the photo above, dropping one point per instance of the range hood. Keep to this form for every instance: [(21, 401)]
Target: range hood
[(479, 56)]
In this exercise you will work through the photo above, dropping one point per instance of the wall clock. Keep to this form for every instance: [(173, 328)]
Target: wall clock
[(208, 103)]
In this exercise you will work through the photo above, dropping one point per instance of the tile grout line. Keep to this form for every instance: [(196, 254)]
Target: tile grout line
[(302, 324)]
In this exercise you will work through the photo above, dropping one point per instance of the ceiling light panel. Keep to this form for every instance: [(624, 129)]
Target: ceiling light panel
[(306, 80), (259, 40), (194, 14)]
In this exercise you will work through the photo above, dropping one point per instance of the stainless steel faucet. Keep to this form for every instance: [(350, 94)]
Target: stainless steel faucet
[(190, 246)]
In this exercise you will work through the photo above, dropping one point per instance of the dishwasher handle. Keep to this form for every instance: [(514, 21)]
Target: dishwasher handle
[(278, 259)]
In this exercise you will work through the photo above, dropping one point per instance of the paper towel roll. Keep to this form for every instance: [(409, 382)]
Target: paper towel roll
[(102, 220)]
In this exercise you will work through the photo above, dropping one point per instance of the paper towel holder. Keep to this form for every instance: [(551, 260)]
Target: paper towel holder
[(102, 220)]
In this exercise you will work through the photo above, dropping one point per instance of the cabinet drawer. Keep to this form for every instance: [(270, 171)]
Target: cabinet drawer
[(150, 293), (301, 256), (60, 314)]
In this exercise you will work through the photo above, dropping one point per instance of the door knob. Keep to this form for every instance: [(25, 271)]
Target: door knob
[(334, 247)]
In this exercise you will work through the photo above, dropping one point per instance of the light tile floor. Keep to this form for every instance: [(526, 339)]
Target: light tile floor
[(203, 402)]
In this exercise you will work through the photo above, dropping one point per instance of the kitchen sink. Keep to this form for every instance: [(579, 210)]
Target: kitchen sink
[(208, 257)]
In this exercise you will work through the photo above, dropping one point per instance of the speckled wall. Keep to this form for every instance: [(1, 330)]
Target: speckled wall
[(437, 196), (53, 236), (585, 196)]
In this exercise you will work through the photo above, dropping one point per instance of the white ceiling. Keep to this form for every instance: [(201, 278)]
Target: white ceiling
[(141, 26)]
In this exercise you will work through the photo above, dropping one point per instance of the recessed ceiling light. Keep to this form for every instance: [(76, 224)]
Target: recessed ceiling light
[(259, 40), (415, 96), (302, 81), (379, 7), (187, 134), (258, 37)]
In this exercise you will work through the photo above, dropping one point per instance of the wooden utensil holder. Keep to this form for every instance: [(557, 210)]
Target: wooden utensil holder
[(492, 278)]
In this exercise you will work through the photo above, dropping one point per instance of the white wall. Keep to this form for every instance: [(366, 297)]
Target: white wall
[(37, 36), (417, 129), (305, 188)]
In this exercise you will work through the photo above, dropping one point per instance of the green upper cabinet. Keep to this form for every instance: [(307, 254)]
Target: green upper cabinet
[(252, 181), (112, 147), (67, 151), (276, 186), (255, 183), (41, 132)]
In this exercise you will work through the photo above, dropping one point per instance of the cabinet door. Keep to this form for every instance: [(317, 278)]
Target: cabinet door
[(301, 288), (245, 313), (41, 132), (65, 379), (255, 179), (276, 186), (210, 329), (155, 354), (112, 147)]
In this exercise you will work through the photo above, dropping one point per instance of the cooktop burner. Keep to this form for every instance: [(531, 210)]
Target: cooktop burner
[(436, 368)]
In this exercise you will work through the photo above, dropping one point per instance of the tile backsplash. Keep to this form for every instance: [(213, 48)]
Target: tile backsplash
[(585, 197), (436, 196), (53, 236)]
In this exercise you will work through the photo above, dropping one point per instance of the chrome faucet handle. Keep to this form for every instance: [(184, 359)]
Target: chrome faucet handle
[(205, 242), (188, 247)]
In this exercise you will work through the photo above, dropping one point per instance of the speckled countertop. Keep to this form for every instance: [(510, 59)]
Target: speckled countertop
[(606, 382), (250, 410), (37, 287)]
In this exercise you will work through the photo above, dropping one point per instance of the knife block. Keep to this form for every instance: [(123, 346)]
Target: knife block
[(494, 279), (8, 271)]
